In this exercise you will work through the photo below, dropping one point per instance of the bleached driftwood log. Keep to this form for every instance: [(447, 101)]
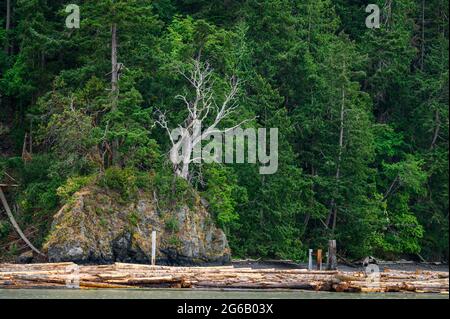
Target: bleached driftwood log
[(122, 275)]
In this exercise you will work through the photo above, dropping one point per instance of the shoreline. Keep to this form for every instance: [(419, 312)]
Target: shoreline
[(204, 294)]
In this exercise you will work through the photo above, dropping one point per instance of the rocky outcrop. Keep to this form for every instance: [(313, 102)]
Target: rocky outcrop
[(25, 258), (97, 227)]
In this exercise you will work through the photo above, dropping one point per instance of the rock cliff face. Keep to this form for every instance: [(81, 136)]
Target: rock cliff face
[(97, 227)]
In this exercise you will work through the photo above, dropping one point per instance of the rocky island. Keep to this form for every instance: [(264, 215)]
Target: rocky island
[(97, 227)]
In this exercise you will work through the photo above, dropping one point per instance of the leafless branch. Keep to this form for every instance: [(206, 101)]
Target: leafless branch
[(200, 108)]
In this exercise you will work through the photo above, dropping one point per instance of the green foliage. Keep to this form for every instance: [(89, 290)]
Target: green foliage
[(174, 241), (133, 219), (223, 193), (173, 191), (73, 185), (4, 229), (171, 224), (122, 181), (362, 117), (39, 196)]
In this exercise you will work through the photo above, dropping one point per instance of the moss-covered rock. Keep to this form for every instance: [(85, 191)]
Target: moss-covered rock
[(97, 226)]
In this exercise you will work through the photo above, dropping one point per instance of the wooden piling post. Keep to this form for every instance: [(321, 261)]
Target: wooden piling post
[(310, 263), (153, 248), (332, 260), (319, 259)]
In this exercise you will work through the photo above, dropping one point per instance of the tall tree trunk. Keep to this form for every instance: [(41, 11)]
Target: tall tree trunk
[(388, 10), (341, 145), (114, 87), (333, 206), (114, 68), (437, 123), (186, 161), (422, 49), (8, 25), (308, 215)]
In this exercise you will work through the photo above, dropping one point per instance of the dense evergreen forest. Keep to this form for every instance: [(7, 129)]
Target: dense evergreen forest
[(362, 116)]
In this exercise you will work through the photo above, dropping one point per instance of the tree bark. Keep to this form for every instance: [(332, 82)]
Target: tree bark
[(8, 25), (391, 188), (185, 165), (114, 69), (114, 87), (308, 215), (333, 209), (341, 144), (436, 130), (332, 259)]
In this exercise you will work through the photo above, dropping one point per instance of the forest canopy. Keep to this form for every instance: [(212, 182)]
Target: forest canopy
[(362, 115)]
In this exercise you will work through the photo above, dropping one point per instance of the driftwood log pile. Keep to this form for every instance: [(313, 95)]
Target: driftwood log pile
[(119, 275)]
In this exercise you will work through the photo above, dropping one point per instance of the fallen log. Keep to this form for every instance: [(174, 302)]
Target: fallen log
[(121, 275), (29, 267), (14, 223)]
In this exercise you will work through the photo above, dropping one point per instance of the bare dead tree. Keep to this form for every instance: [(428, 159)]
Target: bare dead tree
[(203, 107), (332, 215)]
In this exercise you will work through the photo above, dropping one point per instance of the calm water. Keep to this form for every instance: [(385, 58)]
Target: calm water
[(197, 294)]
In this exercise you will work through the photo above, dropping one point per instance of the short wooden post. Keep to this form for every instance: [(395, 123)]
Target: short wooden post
[(319, 259), (332, 260), (310, 263), (153, 248)]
